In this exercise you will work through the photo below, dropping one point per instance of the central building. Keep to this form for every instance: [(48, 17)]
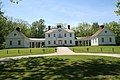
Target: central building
[(59, 36)]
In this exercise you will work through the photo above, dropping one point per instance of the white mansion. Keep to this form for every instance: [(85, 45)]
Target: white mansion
[(60, 36)]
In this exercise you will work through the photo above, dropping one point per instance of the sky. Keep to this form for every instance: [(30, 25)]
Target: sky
[(62, 11)]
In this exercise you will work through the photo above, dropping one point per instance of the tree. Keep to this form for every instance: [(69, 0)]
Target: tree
[(95, 27), (118, 7), (83, 29), (37, 29), (12, 24), (2, 25), (15, 1)]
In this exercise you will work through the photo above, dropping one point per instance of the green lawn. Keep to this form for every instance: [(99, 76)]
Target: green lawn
[(61, 68), (96, 49), (25, 51)]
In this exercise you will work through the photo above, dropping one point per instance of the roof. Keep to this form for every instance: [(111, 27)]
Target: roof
[(23, 35), (83, 38), (37, 39), (68, 30), (50, 31), (19, 32), (97, 33), (94, 35)]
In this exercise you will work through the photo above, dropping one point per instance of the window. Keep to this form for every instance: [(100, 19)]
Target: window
[(93, 40), (65, 42), (10, 42), (70, 41), (59, 36), (48, 35), (65, 35), (15, 34), (48, 42), (70, 35), (96, 40), (54, 35), (105, 31), (110, 39), (54, 42), (19, 42), (102, 39)]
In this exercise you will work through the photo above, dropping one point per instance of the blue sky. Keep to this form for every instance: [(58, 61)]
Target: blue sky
[(62, 11)]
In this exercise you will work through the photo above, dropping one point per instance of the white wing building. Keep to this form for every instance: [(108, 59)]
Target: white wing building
[(16, 39), (103, 37)]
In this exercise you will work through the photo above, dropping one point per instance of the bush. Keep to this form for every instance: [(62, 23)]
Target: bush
[(2, 46)]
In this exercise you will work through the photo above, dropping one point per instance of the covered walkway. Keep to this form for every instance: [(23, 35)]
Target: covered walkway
[(36, 42)]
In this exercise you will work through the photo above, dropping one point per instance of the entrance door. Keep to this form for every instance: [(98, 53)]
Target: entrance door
[(59, 42)]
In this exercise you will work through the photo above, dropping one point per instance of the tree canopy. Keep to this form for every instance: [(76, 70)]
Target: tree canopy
[(118, 7), (15, 1), (37, 29)]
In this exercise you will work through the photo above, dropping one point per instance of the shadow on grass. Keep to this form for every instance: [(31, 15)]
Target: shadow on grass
[(59, 69)]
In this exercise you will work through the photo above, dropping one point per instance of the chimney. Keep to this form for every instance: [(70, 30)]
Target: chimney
[(68, 26), (18, 29), (49, 27), (101, 27), (58, 26)]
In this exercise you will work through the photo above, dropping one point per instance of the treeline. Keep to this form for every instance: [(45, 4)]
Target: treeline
[(36, 29), (86, 29)]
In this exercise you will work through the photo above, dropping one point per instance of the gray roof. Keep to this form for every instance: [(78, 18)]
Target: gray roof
[(20, 33), (89, 37), (52, 30), (37, 39), (97, 33), (83, 38)]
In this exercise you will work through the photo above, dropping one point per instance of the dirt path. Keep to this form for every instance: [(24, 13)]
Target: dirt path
[(64, 50)]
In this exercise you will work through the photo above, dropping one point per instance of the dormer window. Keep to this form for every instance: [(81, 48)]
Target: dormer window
[(105, 31), (15, 34)]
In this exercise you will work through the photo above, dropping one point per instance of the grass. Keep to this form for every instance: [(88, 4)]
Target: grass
[(96, 49), (61, 68), (25, 51)]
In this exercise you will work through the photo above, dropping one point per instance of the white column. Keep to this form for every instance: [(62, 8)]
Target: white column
[(82, 42), (88, 43), (85, 42)]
